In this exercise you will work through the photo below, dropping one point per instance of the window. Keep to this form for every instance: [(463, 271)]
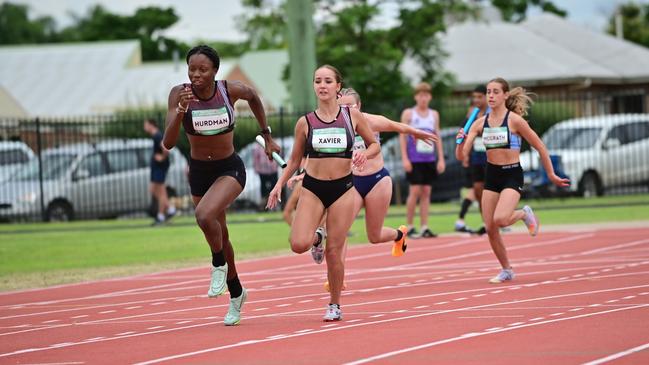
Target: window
[(124, 160), (94, 164), (14, 156), (637, 131), (619, 133)]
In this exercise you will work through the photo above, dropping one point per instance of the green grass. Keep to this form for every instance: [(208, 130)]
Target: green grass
[(38, 254)]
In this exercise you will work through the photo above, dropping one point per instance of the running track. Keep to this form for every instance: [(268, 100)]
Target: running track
[(579, 297)]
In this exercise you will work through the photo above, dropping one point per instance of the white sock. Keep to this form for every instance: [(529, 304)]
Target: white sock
[(171, 210), (423, 228), (161, 217)]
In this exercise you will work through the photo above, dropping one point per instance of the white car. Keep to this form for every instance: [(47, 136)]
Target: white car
[(13, 156), (599, 153)]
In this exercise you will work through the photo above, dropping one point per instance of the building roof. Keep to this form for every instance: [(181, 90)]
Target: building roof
[(543, 50), (266, 70)]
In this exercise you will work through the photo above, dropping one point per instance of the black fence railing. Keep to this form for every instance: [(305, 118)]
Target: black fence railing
[(98, 166)]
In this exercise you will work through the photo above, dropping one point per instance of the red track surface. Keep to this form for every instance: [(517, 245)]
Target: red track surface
[(578, 297)]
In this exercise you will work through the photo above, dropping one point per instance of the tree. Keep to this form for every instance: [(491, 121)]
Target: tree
[(516, 10), (635, 22), (368, 56), (17, 28)]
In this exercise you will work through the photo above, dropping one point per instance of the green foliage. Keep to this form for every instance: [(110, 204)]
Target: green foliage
[(635, 22), (17, 28), (516, 10)]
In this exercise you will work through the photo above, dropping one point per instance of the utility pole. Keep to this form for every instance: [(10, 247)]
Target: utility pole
[(302, 63)]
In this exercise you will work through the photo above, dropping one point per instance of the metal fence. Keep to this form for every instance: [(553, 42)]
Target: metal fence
[(98, 166)]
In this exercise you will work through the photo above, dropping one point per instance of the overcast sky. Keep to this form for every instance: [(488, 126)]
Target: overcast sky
[(216, 19)]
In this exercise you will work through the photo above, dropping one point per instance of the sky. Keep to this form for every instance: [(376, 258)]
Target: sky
[(216, 19)]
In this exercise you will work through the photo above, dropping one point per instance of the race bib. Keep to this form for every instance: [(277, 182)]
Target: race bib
[(495, 137), (478, 145), (210, 121), (329, 140), (423, 147), (359, 143)]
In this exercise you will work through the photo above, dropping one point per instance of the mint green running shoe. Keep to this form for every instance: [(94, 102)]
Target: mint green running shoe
[(218, 282), (233, 317)]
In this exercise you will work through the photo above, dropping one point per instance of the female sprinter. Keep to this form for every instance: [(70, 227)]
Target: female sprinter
[(502, 130), (326, 136), (216, 173)]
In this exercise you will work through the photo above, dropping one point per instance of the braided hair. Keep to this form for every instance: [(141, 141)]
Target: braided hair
[(206, 50)]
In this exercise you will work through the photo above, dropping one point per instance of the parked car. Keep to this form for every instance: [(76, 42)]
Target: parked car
[(88, 181), (599, 153), (446, 187), (13, 156)]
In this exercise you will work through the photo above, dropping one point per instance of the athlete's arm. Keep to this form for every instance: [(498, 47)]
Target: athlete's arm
[(363, 130), (441, 162), (238, 90), (379, 123), (177, 96), (292, 164), (520, 126), (405, 119)]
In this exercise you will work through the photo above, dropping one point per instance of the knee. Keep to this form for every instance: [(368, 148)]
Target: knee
[(425, 192), (334, 253), (374, 237), (300, 245), (500, 221), (205, 221)]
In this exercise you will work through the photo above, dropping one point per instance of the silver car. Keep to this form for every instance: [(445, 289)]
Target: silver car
[(13, 156), (88, 181)]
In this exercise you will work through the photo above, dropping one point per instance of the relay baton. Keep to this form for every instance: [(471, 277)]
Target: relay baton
[(468, 124), (280, 161)]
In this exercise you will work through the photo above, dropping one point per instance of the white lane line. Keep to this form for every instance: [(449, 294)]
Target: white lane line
[(183, 322), (155, 327), (537, 319), (460, 299), (576, 309), (612, 301), (422, 306), (377, 316), (134, 307), (496, 291), (158, 303), (125, 333), (440, 303), (80, 316), (95, 338), (304, 331), (629, 297), (51, 321), (283, 305), (515, 324), (343, 327), (479, 295), (458, 338), (259, 309), (618, 355), (305, 301), (329, 325), (353, 321), (493, 329), (557, 314), (106, 312)]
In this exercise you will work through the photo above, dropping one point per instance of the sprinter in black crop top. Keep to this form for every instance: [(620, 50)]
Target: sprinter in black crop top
[(216, 173)]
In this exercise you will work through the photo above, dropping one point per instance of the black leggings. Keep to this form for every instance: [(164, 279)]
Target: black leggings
[(328, 191)]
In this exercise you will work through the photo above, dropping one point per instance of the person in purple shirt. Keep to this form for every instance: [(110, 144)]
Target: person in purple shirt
[(421, 161)]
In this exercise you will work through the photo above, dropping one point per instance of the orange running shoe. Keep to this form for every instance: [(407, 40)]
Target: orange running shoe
[(400, 246)]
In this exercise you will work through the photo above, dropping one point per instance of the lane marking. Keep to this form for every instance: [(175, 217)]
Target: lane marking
[(618, 355)]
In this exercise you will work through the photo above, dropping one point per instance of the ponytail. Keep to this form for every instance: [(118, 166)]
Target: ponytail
[(519, 100)]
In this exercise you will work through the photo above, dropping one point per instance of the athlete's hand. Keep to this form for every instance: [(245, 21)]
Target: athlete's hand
[(460, 135), (186, 96), (407, 166), (274, 197), (429, 138), (358, 159), (271, 146), (441, 167), (292, 181), (559, 181)]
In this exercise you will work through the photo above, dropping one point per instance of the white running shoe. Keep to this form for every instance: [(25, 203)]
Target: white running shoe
[(333, 313), (318, 252), (233, 317), (218, 283), (531, 221), (503, 275)]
